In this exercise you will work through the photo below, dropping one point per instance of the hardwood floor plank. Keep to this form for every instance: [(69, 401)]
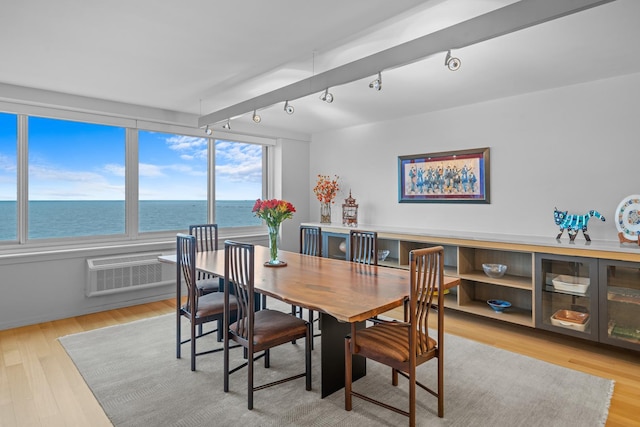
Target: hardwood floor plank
[(7, 416), (22, 397)]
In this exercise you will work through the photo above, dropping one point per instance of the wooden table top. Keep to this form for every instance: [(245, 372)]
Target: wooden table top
[(348, 291)]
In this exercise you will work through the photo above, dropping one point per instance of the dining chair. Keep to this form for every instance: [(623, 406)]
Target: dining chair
[(256, 331), (310, 244), (206, 240), (363, 247), (405, 345), (198, 308)]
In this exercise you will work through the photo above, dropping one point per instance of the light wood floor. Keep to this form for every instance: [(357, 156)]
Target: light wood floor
[(39, 385)]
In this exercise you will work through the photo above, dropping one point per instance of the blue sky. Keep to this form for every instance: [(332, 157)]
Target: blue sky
[(80, 161)]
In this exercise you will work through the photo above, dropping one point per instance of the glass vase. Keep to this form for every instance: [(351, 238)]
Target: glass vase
[(325, 212), (274, 235)]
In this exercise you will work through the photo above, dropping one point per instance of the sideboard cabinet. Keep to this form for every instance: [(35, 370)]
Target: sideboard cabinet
[(567, 295), (611, 301), (619, 293)]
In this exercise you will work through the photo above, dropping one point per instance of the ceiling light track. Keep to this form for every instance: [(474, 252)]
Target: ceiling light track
[(513, 17)]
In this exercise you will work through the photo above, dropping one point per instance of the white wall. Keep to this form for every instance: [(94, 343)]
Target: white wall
[(293, 159), (575, 147)]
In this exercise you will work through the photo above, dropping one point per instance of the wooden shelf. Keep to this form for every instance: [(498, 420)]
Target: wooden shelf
[(506, 280), (512, 314)]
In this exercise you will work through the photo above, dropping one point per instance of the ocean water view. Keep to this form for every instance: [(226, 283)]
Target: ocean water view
[(55, 219)]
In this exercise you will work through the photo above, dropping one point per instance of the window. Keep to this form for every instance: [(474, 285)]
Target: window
[(8, 176), (74, 175), (76, 179), (172, 188), (238, 181)]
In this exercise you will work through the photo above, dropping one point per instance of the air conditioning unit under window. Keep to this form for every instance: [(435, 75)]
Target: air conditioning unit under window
[(128, 272)]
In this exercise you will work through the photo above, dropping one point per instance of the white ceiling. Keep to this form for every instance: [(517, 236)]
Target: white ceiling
[(199, 56)]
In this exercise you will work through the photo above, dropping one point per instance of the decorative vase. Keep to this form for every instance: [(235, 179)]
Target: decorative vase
[(325, 212), (274, 234)]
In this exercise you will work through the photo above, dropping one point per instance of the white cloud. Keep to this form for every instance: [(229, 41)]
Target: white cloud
[(114, 169), (148, 170)]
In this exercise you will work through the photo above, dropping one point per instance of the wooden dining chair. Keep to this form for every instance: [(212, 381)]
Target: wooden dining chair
[(310, 244), (199, 309), (256, 331), (363, 247), (405, 345), (206, 240)]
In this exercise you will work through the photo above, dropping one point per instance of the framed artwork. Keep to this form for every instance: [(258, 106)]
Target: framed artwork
[(447, 177)]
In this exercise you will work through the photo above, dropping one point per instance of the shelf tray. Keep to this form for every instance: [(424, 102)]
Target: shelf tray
[(623, 294)]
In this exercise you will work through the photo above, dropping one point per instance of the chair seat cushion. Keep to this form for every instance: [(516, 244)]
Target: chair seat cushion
[(206, 286), (388, 342), (212, 304), (271, 326)]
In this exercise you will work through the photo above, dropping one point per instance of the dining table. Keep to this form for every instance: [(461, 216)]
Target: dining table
[(343, 292)]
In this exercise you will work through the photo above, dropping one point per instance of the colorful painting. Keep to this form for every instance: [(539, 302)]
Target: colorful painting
[(453, 176)]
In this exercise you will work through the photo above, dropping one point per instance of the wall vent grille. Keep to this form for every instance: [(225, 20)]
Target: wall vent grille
[(123, 273)]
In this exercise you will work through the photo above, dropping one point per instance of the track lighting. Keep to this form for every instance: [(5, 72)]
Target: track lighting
[(377, 83), (326, 96), (452, 63), (288, 108), (227, 125), (256, 117), (208, 130)]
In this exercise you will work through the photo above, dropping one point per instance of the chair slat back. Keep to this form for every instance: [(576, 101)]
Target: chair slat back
[(206, 236), (186, 268), (427, 268), (238, 280), (363, 247), (310, 240), (206, 240)]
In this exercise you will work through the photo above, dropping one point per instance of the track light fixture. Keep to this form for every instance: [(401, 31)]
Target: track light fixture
[(208, 130), (256, 117), (227, 125), (288, 108), (452, 63), (326, 96), (377, 83)]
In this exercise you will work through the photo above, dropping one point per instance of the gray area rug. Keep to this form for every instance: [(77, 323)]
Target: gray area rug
[(134, 374)]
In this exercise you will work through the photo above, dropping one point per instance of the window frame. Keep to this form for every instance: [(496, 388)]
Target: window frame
[(131, 126)]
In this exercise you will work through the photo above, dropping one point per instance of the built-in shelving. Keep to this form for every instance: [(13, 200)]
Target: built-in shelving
[(613, 304)]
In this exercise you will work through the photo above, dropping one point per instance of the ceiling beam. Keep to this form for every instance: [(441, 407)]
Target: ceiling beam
[(508, 19)]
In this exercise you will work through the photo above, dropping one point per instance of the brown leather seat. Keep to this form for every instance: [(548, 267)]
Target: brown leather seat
[(198, 308), (256, 330), (388, 342), (271, 327), (405, 345)]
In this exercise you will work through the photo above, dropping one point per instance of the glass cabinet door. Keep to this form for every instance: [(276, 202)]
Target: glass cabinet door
[(567, 295), (620, 303), (335, 245)]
